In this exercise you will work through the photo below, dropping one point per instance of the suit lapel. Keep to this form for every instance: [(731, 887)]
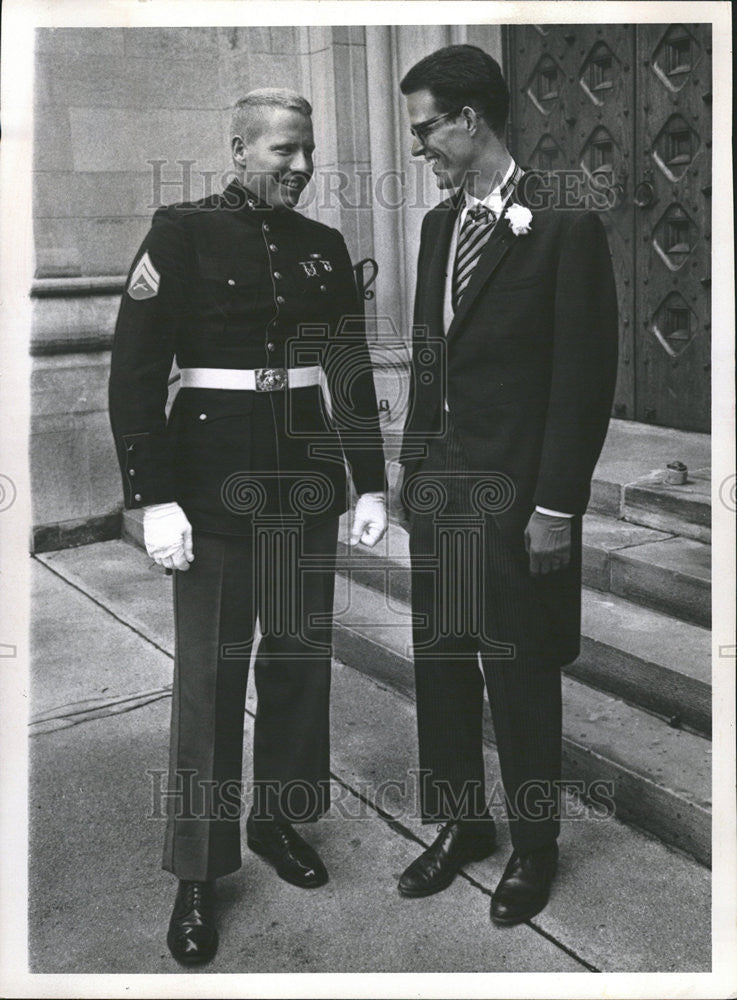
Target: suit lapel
[(500, 242), (438, 263), (491, 257)]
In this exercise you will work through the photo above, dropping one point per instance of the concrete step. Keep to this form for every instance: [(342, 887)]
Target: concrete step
[(660, 776), (651, 660), (655, 661), (681, 510), (602, 536), (131, 528), (650, 567), (671, 575)]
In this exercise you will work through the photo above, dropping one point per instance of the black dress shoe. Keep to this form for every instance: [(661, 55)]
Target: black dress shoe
[(295, 861), (192, 937), (457, 843), (524, 887)]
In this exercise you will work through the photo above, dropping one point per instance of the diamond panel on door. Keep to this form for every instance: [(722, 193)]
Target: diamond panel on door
[(675, 236), (676, 56), (676, 147), (674, 324), (599, 73), (601, 153), (543, 87), (547, 155)]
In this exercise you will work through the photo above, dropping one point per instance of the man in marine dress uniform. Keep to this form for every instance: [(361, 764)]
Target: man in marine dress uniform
[(242, 489), (522, 296)]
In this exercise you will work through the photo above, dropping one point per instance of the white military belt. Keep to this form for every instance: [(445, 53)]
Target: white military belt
[(255, 379)]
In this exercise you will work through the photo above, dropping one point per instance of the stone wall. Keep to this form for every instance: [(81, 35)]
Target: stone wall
[(127, 119)]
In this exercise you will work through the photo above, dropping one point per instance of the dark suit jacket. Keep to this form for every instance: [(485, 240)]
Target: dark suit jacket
[(242, 286), (528, 367), (531, 354)]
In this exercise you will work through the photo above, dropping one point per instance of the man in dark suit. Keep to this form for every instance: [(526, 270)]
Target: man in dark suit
[(498, 456), (242, 489)]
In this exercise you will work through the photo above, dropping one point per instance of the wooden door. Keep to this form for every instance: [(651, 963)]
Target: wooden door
[(672, 205), (629, 106)]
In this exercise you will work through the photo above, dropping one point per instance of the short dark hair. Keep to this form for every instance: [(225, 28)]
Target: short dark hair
[(459, 75)]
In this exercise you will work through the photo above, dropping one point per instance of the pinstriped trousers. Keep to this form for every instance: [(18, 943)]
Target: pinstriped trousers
[(475, 604)]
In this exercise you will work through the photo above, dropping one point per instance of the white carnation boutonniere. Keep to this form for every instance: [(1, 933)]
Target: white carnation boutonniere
[(519, 218)]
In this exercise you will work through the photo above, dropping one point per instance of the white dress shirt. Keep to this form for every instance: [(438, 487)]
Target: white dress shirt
[(493, 201), (496, 203)]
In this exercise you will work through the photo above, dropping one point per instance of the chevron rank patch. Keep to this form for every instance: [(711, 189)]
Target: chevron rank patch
[(144, 283)]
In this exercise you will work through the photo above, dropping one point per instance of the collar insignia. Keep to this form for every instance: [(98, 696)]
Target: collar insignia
[(310, 267)]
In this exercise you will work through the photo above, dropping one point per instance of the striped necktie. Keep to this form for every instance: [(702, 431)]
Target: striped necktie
[(473, 237)]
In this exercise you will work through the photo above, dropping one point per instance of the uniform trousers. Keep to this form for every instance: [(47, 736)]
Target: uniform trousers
[(283, 574), (472, 601)]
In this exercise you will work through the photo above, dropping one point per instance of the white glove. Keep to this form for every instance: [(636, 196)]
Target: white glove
[(369, 519), (168, 535)]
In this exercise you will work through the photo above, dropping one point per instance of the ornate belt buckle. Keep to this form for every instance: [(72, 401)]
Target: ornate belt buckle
[(271, 379)]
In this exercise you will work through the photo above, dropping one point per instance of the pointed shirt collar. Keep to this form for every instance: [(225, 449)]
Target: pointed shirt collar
[(496, 198)]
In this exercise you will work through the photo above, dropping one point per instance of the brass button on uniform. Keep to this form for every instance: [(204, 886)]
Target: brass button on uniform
[(137, 496), (277, 275), (131, 472), (280, 299), (270, 346), (203, 416), (323, 288), (267, 227), (273, 247), (230, 281)]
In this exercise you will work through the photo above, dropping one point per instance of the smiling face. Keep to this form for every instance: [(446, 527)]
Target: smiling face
[(446, 145), (276, 154)]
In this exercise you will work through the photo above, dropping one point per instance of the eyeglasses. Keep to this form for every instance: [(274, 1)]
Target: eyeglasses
[(423, 129)]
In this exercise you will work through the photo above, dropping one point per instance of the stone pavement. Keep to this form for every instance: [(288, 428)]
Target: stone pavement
[(99, 902)]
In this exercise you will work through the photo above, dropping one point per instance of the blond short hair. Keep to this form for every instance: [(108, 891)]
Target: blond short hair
[(248, 111)]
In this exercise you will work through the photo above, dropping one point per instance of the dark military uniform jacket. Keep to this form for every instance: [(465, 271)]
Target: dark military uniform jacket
[(228, 282)]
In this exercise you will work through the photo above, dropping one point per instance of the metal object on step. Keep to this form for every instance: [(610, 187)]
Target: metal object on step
[(676, 473)]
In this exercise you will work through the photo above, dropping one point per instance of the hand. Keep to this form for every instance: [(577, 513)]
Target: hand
[(168, 535), (369, 519), (548, 542)]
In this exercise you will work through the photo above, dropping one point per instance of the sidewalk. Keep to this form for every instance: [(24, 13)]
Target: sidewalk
[(99, 902)]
